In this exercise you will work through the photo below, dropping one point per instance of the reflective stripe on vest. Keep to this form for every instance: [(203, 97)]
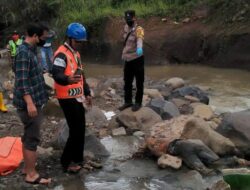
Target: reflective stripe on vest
[(72, 90)]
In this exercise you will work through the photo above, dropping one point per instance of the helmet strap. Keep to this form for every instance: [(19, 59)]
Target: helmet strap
[(70, 42)]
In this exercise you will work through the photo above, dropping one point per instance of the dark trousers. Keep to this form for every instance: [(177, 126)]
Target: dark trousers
[(31, 135), (75, 116), (134, 69)]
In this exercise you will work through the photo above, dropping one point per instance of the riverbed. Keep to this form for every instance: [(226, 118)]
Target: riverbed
[(229, 89)]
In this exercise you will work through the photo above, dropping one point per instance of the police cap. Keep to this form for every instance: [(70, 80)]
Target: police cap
[(129, 14)]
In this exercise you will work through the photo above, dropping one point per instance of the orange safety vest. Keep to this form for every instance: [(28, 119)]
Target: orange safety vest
[(71, 90)]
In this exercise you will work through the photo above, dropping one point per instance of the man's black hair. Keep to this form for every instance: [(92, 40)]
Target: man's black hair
[(37, 29)]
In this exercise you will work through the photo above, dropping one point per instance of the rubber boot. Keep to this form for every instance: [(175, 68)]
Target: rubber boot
[(2, 106)]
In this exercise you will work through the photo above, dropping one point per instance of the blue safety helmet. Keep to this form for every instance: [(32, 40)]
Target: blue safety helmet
[(77, 32)]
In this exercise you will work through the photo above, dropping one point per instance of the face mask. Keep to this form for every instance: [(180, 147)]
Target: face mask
[(130, 23), (41, 42)]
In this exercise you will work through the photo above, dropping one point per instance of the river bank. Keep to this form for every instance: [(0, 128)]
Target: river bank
[(207, 32), (190, 41), (128, 167)]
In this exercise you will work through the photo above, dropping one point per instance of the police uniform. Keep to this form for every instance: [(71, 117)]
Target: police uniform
[(134, 63)]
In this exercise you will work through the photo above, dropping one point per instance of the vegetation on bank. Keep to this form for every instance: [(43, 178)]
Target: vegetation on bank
[(91, 12), (88, 11)]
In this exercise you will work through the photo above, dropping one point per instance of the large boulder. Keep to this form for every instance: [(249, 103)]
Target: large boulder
[(142, 119), (203, 111), (92, 144), (167, 160), (183, 106), (163, 89), (175, 82), (165, 109), (197, 128), (159, 136), (190, 91), (153, 93), (96, 117), (236, 126)]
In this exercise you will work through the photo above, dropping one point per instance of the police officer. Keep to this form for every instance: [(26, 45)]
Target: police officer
[(132, 54)]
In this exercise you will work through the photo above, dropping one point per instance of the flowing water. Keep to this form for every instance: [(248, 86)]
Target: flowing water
[(229, 89), (121, 173)]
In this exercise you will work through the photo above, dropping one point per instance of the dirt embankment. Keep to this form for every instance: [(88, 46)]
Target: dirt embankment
[(193, 40)]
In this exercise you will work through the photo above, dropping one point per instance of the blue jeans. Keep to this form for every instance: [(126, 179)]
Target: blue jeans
[(47, 56)]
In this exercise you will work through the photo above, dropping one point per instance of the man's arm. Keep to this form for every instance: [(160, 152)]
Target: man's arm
[(32, 111), (87, 92), (140, 38), (22, 67), (59, 65)]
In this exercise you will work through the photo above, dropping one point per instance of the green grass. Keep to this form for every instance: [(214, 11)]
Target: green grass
[(63, 12), (90, 11)]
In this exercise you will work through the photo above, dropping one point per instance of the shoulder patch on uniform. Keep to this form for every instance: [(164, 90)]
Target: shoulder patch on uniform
[(139, 32), (59, 62)]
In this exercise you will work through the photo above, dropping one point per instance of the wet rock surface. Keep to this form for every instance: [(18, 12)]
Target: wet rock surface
[(144, 118), (165, 109), (236, 127), (125, 163), (190, 91)]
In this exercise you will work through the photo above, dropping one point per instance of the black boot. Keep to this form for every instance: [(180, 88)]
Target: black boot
[(124, 106), (136, 107)]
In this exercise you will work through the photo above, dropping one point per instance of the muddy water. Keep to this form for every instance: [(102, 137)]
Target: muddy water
[(121, 173), (229, 89)]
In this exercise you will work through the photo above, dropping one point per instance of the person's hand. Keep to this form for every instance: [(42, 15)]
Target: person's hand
[(32, 111), (72, 79), (139, 51), (88, 101)]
